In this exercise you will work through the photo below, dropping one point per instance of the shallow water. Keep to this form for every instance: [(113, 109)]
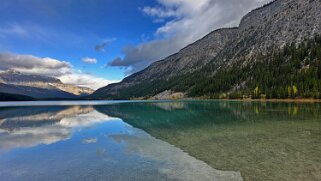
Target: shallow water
[(195, 140)]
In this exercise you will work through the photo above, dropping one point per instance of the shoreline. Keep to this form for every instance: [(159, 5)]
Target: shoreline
[(299, 100), (277, 100)]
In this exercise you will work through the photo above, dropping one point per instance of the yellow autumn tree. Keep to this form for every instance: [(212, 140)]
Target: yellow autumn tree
[(294, 90), (256, 91), (289, 91)]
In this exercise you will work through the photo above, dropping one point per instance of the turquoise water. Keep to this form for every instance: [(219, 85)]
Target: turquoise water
[(195, 140)]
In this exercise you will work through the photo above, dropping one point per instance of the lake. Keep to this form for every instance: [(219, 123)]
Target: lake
[(160, 140)]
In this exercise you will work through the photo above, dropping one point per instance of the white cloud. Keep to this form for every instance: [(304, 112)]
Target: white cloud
[(159, 12), (85, 80), (185, 22), (89, 60), (62, 70), (34, 65)]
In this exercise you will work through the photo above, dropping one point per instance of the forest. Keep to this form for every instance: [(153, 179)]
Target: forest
[(292, 72)]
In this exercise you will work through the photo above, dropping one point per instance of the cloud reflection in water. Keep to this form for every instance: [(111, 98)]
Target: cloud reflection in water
[(29, 127)]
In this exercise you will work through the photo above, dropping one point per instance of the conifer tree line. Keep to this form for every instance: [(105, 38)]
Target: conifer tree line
[(292, 72)]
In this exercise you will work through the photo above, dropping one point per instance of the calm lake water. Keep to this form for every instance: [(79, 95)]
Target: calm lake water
[(195, 140)]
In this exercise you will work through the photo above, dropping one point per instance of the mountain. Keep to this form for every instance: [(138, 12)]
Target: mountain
[(274, 53), (14, 97), (38, 86), (187, 60)]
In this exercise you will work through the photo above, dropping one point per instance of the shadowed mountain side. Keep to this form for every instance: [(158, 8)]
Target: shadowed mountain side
[(14, 97), (35, 92)]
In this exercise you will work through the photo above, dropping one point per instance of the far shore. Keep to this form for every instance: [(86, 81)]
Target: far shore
[(298, 100), (277, 100)]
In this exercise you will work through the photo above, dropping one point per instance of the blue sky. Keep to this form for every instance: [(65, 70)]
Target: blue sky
[(119, 37)]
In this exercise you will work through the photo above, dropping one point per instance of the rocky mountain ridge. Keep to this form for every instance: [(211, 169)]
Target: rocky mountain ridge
[(272, 27)]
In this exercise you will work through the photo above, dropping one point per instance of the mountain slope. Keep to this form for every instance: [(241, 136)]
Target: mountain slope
[(38, 86), (35, 92), (189, 59), (261, 36), (272, 27), (14, 97)]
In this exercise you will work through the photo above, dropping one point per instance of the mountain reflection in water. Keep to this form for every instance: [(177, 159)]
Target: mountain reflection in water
[(81, 143), (264, 141)]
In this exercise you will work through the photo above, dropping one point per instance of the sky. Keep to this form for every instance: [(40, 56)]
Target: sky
[(93, 43)]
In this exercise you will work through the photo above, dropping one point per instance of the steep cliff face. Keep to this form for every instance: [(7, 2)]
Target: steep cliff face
[(191, 58), (37, 86), (261, 32)]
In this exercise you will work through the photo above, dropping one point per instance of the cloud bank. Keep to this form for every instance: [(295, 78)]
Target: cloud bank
[(32, 64), (62, 70), (185, 21)]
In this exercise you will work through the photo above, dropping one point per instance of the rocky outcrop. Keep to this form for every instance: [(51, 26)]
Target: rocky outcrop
[(168, 95)]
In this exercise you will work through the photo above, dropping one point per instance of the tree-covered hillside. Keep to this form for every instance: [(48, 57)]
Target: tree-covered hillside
[(291, 72), (294, 71)]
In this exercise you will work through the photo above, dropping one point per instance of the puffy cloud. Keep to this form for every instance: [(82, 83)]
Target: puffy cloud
[(89, 60), (62, 70), (32, 64), (186, 22)]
